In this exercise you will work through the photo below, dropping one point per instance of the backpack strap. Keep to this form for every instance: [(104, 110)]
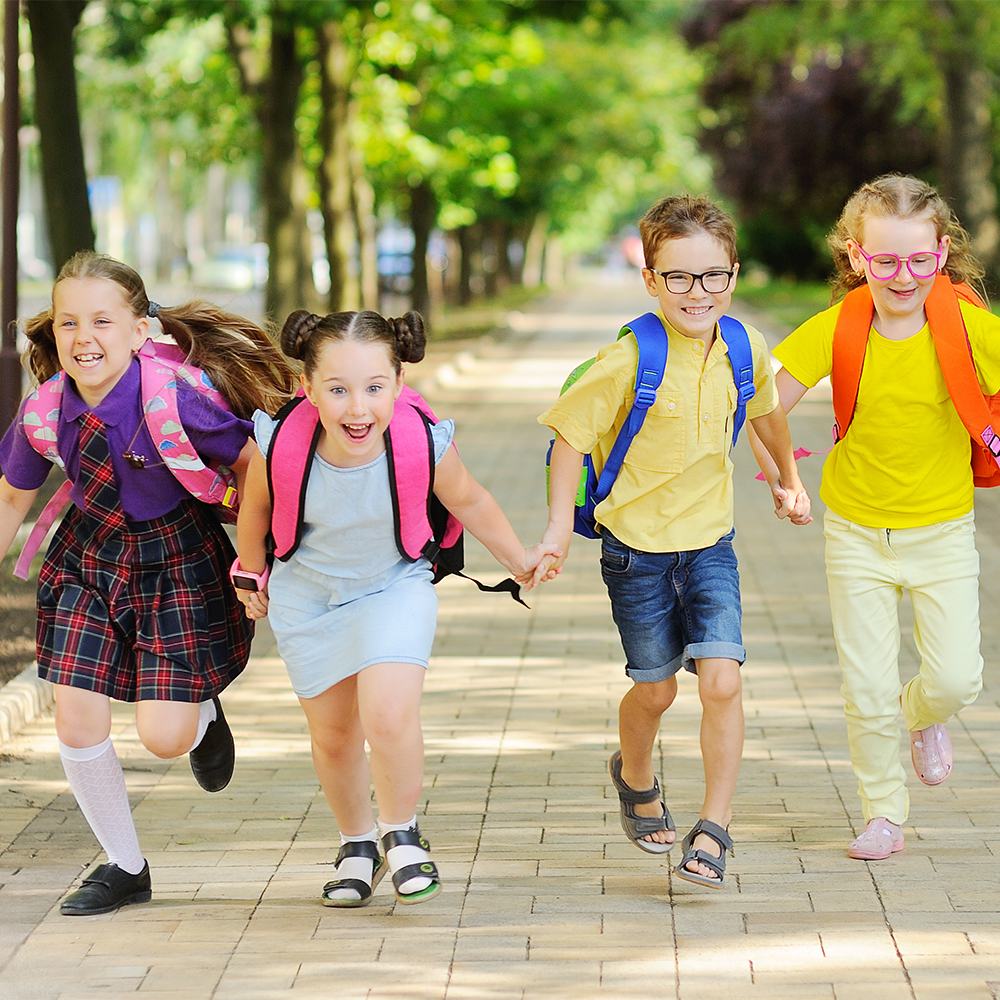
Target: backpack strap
[(288, 468), (160, 374), (951, 341), (850, 339), (652, 340), (40, 418), (737, 342)]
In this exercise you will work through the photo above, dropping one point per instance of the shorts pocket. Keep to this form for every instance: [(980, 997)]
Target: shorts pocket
[(615, 557)]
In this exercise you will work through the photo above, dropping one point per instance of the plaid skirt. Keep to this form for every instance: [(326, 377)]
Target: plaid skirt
[(142, 614)]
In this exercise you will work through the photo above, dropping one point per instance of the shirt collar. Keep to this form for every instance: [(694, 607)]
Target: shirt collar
[(116, 404)]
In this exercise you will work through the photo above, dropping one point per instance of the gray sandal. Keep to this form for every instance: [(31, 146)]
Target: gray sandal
[(636, 827), (717, 864)]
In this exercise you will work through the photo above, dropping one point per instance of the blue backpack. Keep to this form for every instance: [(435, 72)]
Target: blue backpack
[(652, 341)]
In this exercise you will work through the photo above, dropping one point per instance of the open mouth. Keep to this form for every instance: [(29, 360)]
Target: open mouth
[(88, 360), (697, 310), (357, 432)]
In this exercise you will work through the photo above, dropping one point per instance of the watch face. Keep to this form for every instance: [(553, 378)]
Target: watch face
[(245, 582)]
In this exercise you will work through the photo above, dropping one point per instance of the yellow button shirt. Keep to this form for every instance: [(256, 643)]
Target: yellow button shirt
[(904, 461), (675, 489)]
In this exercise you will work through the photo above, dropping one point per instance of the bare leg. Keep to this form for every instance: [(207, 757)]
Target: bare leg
[(720, 688), (389, 709), (638, 725), (338, 751)]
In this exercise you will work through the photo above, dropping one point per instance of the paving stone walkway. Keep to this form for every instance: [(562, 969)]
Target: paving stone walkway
[(544, 897)]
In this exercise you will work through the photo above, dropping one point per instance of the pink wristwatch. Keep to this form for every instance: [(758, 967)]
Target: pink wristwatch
[(245, 580)]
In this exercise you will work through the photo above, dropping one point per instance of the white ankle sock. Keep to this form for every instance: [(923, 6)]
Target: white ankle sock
[(405, 854), (96, 780), (359, 868), (206, 716)]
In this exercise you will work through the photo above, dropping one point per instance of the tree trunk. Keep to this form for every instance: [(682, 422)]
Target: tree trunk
[(64, 175), (466, 248), (534, 250), (363, 202), (423, 215), (335, 168), (965, 151), (289, 282)]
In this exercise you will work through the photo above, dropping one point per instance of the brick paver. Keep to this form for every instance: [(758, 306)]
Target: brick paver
[(543, 895)]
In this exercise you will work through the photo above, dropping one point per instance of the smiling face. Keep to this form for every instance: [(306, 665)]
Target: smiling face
[(900, 300), (354, 386), (693, 313), (96, 334)]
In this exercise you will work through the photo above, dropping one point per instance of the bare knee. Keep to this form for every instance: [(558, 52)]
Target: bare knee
[(654, 698), (721, 683)]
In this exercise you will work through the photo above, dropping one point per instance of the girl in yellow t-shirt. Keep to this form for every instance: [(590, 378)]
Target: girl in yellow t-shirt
[(899, 493)]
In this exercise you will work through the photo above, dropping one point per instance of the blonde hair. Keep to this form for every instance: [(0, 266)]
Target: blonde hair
[(683, 215), (903, 197), (242, 361)]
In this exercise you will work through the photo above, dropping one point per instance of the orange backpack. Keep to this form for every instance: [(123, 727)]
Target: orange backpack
[(979, 413)]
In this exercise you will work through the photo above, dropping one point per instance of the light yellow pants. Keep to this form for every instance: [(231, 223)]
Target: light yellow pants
[(867, 570)]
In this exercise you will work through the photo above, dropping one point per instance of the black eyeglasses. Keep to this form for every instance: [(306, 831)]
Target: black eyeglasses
[(681, 282)]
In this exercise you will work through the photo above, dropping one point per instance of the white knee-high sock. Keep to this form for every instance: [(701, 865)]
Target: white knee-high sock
[(206, 716), (359, 868), (96, 780), (405, 854)]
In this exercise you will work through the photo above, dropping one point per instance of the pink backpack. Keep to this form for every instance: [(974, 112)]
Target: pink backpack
[(423, 526), (162, 367)]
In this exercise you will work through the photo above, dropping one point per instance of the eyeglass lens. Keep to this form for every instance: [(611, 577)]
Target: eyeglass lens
[(920, 265), (680, 282)]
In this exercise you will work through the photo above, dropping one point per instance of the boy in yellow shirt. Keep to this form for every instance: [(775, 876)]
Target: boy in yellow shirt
[(667, 526)]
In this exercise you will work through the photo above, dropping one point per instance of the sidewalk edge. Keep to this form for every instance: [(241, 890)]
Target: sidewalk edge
[(22, 700)]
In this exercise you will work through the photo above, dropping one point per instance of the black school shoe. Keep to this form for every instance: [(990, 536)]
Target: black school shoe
[(105, 889), (212, 760)]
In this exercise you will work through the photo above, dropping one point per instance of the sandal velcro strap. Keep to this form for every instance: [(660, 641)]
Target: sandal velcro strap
[(412, 837), (362, 888), (719, 834), (627, 793), (424, 869), (358, 849), (718, 865)]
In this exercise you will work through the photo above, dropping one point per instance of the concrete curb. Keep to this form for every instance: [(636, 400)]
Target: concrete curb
[(22, 700)]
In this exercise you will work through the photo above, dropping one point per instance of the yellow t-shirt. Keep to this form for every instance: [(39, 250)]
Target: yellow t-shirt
[(675, 489), (904, 461)]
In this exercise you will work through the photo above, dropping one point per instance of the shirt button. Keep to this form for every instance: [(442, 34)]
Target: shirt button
[(671, 405), (704, 417)]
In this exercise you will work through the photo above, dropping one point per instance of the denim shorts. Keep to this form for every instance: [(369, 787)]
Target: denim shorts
[(673, 608)]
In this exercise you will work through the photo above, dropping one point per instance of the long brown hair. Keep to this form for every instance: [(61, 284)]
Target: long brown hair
[(242, 361), (904, 197)]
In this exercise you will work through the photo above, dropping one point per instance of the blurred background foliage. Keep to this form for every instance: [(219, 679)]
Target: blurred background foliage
[(444, 150)]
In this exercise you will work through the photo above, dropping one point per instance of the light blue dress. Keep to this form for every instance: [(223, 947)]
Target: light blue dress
[(346, 598)]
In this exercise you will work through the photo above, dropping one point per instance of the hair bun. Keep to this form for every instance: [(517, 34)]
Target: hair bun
[(411, 337), (296, 332)]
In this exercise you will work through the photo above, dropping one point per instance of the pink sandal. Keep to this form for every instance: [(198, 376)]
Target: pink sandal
[(931, 753), (879, 839)]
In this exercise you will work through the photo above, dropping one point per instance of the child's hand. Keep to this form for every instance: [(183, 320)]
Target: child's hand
[(255, 602), (542, 563), (793, 503)]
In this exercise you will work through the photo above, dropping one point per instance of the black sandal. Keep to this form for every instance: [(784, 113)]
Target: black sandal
[(425, 869), (636, 827), (356, 849), (717, 864)]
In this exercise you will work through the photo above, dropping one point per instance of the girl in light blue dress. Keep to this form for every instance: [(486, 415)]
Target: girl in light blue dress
[(353, 618)]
